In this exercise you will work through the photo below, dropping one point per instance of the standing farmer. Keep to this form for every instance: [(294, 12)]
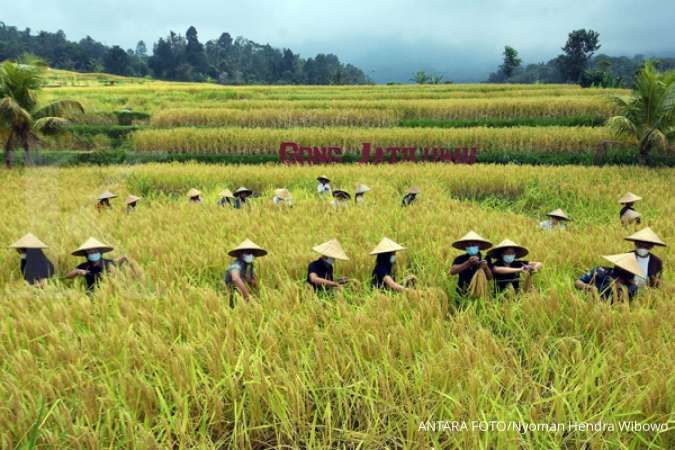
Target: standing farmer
[(627, 202), (240, 196), (194, 195), (467, 265), (95, 265), (104, 200), (320, 272), (359, 195), (650, 264), (340, 198), (410, 197), (35, 267), (240, 274), (226, 198), (323, 187), (132, 201), (556, 220), (383, 273), (506, 265)]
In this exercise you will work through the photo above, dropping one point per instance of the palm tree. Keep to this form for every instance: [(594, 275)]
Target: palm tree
[(22, 119), (648, 116)]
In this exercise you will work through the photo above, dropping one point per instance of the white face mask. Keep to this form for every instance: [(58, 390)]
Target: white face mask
[(248, 258), (642, 252), (508, 259), (330, 261), (392, 259)]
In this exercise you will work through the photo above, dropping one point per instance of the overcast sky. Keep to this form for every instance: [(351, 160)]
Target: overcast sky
[(388, 39)]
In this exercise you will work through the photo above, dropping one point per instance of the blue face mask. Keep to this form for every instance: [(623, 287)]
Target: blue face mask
[(508, 259), (472, 250), (93, 257)]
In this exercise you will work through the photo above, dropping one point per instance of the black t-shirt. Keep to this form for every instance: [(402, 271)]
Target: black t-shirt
[(624, 209), (381, 271), (502, 280), (409, 199), (36, 266), (95, 271), (466, 274), (322, 269)]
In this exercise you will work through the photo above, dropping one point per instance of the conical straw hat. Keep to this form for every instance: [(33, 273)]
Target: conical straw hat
[(362, 189), (646, 235), (194, 193), (413, 190), (386, 245), (341, 193), (331, 249), (559, 214), (629, 197), (241, 190), (322, 177), (29, 241), (627, 262), (282, 193), (92, 244), (250, 247), (506, 243), (106, 194), (132, 199), (630, 216), (472, 236), (226, 193)]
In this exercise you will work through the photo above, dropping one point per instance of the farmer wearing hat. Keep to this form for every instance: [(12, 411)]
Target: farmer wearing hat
[(323, 187), (631, 217), (240, 196), (226, 198), (104, 200), (195, 195), (556, 220), (609, 281), (628, 200), (466, 265), (383, 273), (35, 267), (95, 265), (240, 274), (132, 201), (340, 198), (506, 265), (320, 272), (359, 195), (282, 197), (410, 196), (650, 264)]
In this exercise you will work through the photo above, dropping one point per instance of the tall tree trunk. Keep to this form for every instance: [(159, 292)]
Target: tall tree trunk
[(27, 160), (8, 151), (643, 156)]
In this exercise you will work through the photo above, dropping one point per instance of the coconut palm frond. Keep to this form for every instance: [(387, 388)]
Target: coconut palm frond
[(59, 108), (51, 125), (20, 82), (622, 125), (12, 115)]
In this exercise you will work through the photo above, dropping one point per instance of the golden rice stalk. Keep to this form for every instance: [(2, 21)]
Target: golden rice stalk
[(479, 287)]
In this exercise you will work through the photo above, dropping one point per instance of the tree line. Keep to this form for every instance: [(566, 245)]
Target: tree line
[(576, 64), (181, 58)]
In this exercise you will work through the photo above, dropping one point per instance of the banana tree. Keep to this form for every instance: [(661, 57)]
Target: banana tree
[(22, 119)]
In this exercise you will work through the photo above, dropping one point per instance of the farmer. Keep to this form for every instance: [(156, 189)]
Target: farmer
[(605, 281), (240, 196), (628, 200), (240, 274), (383, 273), (359, 195), (506, 265), (340, 198), (410, 196), (556, 220), (323, 187), (194, 195), (132, 201), (35, 267), (650, 264), (631, 217), (282, 197), (95, 266), (104, 200), (320, 272), (226, 198), (465, 266)]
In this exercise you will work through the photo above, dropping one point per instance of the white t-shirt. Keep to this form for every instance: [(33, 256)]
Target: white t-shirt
[(323, 188), (548, 225), (644, 268)]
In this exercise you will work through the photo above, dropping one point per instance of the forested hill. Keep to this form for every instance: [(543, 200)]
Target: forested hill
[(182, 58)]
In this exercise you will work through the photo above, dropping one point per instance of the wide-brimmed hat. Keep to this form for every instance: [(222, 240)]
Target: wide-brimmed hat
[(132, 199), (629, 197), (362, 189), (331, 249), (508, 244), (472, 236), (106, 195), (92, 244), (28, 241), (340, 193), (226, 193), (413, 190), (627, 262), (242, 190), (282, 193), (386, 245), (646, 235), (558, 214), (322, 177), (630, 216), (248, 246), (194, 193)]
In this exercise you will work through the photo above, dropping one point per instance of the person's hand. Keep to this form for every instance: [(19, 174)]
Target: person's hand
[(82, 272), (526, 269), (343, 280), (483, 264), (474, 260)]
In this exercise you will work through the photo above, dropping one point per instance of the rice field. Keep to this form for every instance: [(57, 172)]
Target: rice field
[(161, 358)]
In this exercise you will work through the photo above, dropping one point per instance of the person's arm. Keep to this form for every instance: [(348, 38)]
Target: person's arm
[(457, 268), (501, 270), (583, 286), (391, 284), (317, 280), (253, 281), (485, 268), (76, 273), (239, 284)]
